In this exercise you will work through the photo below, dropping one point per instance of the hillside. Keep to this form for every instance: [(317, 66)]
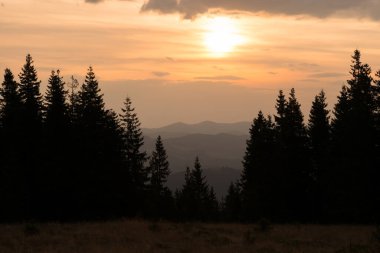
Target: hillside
[(207, 127)]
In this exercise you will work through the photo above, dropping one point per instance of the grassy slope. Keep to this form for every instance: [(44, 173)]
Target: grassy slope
[(143, 236)]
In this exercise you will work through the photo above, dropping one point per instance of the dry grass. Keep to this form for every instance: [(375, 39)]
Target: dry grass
[(130, 236)]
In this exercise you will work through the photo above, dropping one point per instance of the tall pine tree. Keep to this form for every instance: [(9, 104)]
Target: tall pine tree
[(259, 177), (159, 195), (135, 158)]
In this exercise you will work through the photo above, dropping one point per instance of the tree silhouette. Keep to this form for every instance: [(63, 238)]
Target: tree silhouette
[(11, 174), (57, 126), (135, 157), (353, 149), (196, 200), (259, 179), (159, 195), (319, 132), (30, 136), (232, 203)]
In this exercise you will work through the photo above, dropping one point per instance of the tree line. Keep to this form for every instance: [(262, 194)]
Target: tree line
[(65, 156), (327, 170)]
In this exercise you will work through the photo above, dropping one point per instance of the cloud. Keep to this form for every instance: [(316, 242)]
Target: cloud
[(220, 78), (326, 75), (317, 8), (160, 74), (93, 1)]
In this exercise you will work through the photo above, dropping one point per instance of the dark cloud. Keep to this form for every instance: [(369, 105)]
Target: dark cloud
[(94, 1), (317, 8), (160, 74)]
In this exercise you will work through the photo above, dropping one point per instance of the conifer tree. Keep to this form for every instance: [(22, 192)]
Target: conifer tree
[(159, 195), (258, 178), (354, 145), (57, 124), (56, 116), (158, 166), (232, 203), (134, 155), (319, 128), (30, 94), (31, 142), (98, 160), (10, 101), (295, 169), (319, 132), (196, 201), (11, 116)]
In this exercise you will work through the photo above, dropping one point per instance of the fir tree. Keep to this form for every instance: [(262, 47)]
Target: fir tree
[(10, 101), (11, 122), (232, 203), (319, 128), (353, 149), (57, 145), (259, 175), (135, 157), (30, 94), (158, 166), (56, 116), (294, 170), (196, 201), (319, 132), (31, 142), (160, 195)]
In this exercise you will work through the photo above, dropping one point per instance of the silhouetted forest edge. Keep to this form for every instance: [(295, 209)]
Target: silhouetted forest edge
[(65, 157)]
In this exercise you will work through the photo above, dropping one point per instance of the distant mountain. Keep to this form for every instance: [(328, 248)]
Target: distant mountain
[(220, 148), (206, 127), (220, 179), (214, 151)]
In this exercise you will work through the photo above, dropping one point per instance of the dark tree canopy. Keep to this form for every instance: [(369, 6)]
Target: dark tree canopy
[(64, 156)]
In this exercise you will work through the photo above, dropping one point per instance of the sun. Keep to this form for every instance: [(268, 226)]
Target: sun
[(222, 36)]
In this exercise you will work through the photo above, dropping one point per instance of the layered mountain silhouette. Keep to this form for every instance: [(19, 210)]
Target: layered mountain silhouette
[(219, 146)]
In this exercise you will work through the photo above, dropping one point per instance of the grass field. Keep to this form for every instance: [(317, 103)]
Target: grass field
[(145, 236)]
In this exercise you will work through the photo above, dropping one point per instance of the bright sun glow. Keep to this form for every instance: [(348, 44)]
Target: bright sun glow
[(222, 36)]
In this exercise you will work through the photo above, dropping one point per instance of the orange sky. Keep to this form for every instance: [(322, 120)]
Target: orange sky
[(162, 60)]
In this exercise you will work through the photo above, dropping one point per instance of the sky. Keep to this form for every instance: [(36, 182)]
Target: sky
[(194, 60)]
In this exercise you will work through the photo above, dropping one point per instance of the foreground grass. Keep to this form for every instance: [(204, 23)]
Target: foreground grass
[(130, 236)]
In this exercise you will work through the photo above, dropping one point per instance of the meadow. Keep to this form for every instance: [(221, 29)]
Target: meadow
[(146, 236)]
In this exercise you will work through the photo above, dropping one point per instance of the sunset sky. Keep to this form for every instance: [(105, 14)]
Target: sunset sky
[(194, 60)]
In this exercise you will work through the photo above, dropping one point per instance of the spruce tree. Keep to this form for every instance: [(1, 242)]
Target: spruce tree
[(10, 101), (159, 194), (30, 94), (196, 201), (56, 128), (11, 119), (232, 203), (319, 128), (31, 142), (135, 157), (259, 176), (56, 112), (158, 166), (353, 146), (319, 132), (294, 171)]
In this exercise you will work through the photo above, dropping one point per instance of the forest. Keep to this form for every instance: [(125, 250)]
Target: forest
[(64, 156)]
